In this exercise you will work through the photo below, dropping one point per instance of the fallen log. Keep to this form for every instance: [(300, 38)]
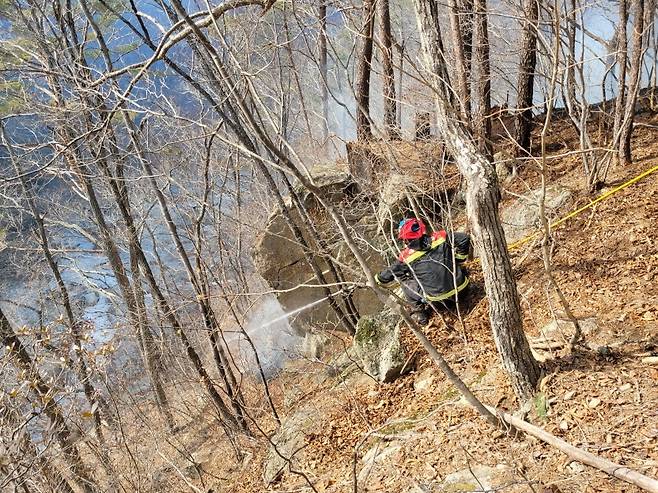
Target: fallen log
[(616, 470)]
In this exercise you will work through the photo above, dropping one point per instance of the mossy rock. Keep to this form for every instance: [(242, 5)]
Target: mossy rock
[(377, 346)]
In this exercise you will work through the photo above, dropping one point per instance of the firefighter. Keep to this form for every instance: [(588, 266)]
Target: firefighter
[(428, 269)]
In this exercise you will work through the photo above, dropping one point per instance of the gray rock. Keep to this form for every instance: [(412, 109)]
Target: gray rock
[(280, 260), (506, 165), (477, 478), (377, 456), (423, 381), (561, 328), (288, 448), (522, 217), (377, 346)]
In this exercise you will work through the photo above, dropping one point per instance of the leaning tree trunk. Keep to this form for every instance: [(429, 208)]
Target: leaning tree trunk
[(322, 48), (482, 82), (390, 106), (363, 71), (482, 207), (526, 79), (626, 130)]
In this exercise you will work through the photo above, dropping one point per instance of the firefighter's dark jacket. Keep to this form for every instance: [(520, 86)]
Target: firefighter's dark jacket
[(431, 264)]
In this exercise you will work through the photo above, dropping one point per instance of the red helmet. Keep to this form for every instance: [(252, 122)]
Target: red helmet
[(411, 229)]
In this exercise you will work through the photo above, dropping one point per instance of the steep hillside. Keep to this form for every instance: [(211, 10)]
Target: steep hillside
[(417, 435)]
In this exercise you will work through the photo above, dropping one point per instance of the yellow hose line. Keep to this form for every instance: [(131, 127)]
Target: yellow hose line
[(609, 193)]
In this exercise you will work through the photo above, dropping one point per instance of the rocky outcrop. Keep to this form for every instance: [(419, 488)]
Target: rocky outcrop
[(378, 185), (281, 262), (377, 346), (286, 447)]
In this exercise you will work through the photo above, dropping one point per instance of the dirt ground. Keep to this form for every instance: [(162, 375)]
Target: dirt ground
[(602, 397)]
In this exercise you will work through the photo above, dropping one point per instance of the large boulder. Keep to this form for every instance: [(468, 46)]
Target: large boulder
[(379, 184), (522, 217), (281, 262), (377, 346)]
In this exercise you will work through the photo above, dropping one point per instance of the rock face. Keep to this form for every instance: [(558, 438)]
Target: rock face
[(287, 444), (280, 259), (522, 217), (378, 185), (377, 346)]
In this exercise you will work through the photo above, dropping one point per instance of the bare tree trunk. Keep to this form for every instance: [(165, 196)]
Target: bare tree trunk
[(400, 79), (482, 82), (46, 394), (390, 100), (324, 93), (578, 110), (463, 89), (482, 206), (546, 249), (467, 26), (150, 354), (363, 73), (526, 79), (622, 58), (626, 130)]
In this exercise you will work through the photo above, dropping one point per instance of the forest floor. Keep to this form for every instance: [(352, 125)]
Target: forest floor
[(409, 435)]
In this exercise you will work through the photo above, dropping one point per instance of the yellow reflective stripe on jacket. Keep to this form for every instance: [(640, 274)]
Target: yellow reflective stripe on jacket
[(460, 256), (416, 255), (449, 294)]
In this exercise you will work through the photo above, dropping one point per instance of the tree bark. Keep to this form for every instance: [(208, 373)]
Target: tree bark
[(621, 59), (526, 78), (467, 26), (363, 73), (390, 100), (481, 69), (463, 89), (322, 48), (482, 208), (638, 48)]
